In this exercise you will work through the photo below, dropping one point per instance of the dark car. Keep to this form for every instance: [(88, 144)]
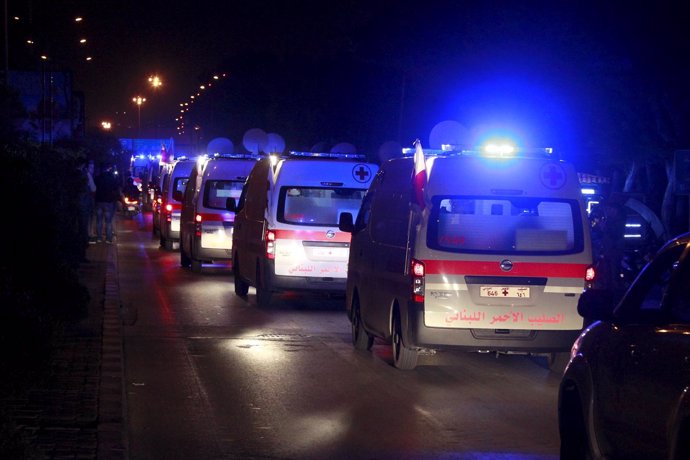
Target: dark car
[(626, 390)]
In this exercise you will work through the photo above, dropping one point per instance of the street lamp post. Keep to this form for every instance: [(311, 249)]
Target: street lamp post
[(138, 100)]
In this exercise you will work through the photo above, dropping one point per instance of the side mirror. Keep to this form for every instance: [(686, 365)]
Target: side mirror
[(345, 222), (231, 204), (596, 304)]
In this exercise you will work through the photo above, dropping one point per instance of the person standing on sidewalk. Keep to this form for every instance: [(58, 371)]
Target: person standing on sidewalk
[(108, 193)]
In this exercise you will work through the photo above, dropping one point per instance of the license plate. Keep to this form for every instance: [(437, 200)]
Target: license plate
[(330, 252), (504, 291), (131, 208)]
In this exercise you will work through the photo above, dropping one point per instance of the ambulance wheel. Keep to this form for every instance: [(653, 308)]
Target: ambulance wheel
[(263, 297), (263, 289), (184, 259), (404, 358), (557, 361), (241, 287), (360, 338), (196, 265)]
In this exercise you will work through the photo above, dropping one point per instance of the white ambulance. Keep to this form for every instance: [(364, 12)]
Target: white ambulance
[(171, 201), (482, 250), (206, 225), (286, 233)]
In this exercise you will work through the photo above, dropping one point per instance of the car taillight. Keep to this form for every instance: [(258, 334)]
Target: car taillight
[(417, 273), (168, 207), (590, 274), (270, 239), (197, 225)]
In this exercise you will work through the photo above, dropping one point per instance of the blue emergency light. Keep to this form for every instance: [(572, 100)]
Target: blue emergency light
[(354, 156)]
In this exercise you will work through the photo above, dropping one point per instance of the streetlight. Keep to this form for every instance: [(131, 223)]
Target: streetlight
[(155, 81), (138, 100)]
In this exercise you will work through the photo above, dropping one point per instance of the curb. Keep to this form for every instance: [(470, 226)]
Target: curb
[(112, 443)]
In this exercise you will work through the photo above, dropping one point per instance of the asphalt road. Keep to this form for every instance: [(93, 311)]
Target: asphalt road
[(209, 375)]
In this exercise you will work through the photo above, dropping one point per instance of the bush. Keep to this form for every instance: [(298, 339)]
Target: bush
[(39, 287)]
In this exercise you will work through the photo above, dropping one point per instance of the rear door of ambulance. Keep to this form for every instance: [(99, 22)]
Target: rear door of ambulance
[(308, 198), (505, 247), (223, 179)]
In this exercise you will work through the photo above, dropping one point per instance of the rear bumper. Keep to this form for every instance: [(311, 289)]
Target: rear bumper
[(515, 340), (303, 283), (210, 254)]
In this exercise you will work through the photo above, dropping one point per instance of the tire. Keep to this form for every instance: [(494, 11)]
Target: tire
[(263, 297), (263, 290), (573, 434), (361, 339), (241, 287), (184, 259), (196, 265), (404, 358), (168, 244), (557, 362)]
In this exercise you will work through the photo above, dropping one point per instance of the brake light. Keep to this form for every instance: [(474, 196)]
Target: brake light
[(270, 238), (168, 207), (590, 274), (417, 272), (128, 201), (197, 225)]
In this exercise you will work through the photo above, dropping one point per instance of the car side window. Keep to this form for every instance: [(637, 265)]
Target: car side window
[(242, 199), (643, 303), (364, 212), (679, 294)]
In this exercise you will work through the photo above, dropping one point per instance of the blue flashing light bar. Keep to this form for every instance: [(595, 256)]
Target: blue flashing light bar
[(355, 156), (494, 151), (250, 156)]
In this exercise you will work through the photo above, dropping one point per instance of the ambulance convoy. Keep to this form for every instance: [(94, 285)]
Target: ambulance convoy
[(484, 250)]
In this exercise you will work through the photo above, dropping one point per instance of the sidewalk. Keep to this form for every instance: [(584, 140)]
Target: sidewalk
[(78, 413)]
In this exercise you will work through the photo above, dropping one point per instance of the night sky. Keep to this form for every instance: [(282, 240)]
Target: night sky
[(590, 79)]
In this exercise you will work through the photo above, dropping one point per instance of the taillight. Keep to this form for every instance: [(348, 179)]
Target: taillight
[(168, 212), (590, 274), (270, 239), (168, 207), (417, 273), (197, 225)]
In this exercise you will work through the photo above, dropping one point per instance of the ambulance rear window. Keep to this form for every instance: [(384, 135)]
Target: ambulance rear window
[(178, 188), (217, 192), (511, 225), (317, 205)]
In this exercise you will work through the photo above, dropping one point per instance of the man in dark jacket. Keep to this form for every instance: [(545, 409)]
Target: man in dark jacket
[(108, 193)]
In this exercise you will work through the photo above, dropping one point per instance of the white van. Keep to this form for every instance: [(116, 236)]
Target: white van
[(171, 201), (206, 225), (490, 254), (286, 233)]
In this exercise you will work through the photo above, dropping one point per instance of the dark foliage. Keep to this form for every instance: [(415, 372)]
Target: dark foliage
[(39, 288)]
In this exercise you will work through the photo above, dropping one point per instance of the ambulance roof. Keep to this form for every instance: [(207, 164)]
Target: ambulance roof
[(323, 172), (230, 168), (519, 176)]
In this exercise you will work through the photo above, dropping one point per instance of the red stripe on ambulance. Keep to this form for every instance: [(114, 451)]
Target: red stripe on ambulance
[(492, 268), (312, 235), (216, 217)]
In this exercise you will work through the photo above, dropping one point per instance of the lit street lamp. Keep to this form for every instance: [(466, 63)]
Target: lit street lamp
[(155, 81), (138, 100)]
